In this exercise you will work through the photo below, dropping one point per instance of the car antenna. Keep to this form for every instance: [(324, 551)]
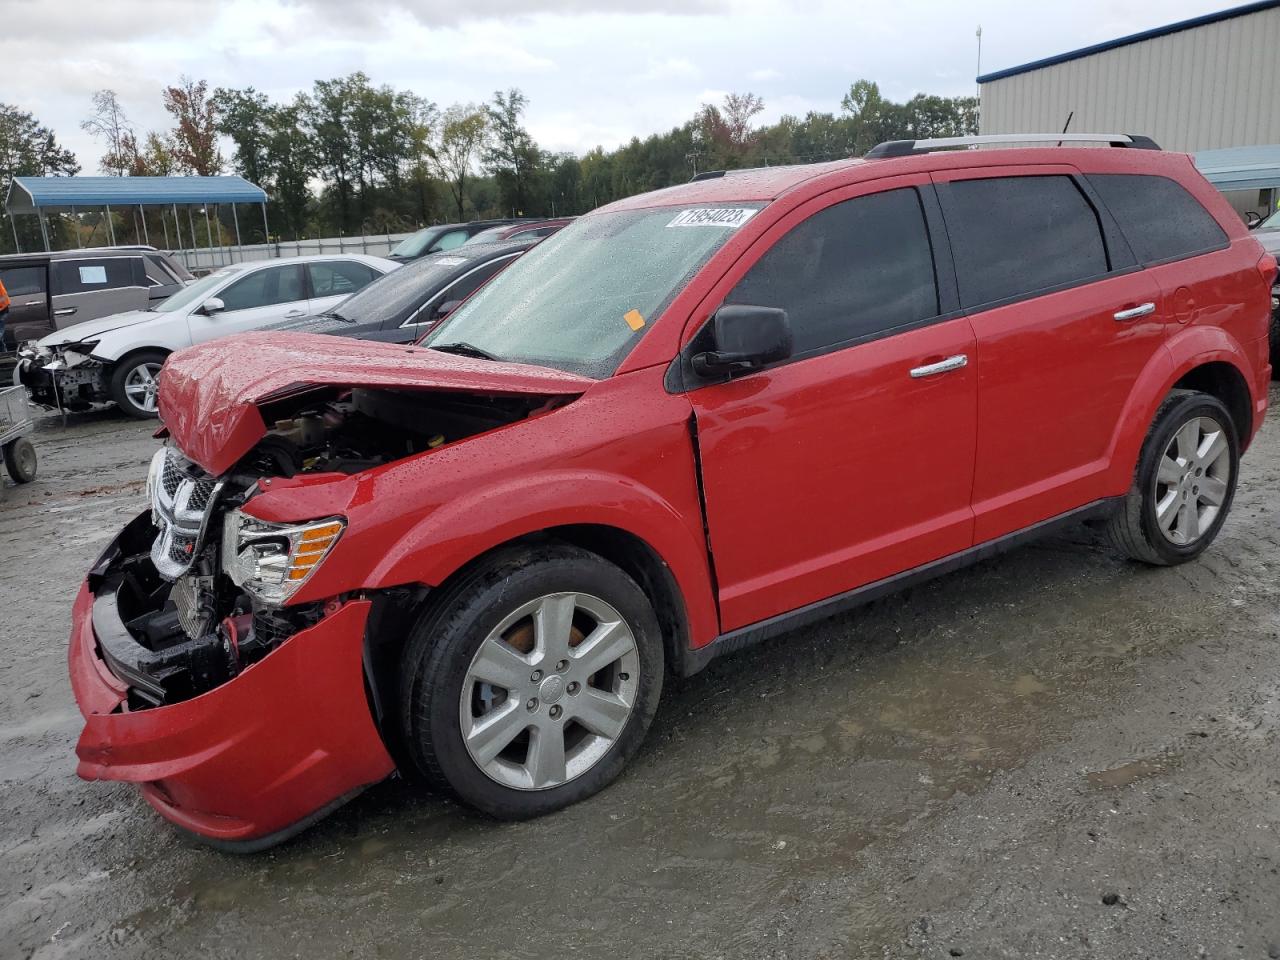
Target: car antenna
[(1067, 124)]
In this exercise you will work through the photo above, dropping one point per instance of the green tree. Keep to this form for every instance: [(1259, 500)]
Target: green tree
[(290, 162), (512, 156), (28, 149), (464, 132), (245, 116)]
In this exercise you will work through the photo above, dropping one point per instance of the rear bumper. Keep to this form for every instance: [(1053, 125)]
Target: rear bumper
[(252, 761)]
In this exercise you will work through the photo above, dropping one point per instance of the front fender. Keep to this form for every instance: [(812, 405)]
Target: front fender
[(1186, 349), (440, 544)]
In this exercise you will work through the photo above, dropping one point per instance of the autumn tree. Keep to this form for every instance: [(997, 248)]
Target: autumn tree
[(195, 134)]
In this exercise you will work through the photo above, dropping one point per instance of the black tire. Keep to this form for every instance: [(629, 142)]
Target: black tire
[(20, 460), (1134, 527), (120, 377), (443, 643)]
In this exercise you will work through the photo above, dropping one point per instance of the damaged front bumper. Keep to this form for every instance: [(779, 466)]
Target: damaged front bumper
[(247, 763), (64, 380)]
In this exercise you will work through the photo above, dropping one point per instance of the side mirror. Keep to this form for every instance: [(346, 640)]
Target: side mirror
[(445, 309), (746, 337), (1252, 219), (211, 306)]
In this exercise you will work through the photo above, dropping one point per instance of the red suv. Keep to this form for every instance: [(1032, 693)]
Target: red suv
[(691, 420)]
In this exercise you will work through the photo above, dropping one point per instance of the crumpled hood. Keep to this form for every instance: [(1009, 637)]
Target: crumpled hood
[(209, 393), (92, 329)]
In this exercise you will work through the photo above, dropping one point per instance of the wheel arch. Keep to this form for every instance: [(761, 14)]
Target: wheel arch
[(1198, 358)]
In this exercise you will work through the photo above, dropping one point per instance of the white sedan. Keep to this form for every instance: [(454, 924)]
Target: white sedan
[(118, 358)]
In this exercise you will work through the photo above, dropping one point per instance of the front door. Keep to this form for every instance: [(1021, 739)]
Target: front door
[(253, 301), (852, 461)]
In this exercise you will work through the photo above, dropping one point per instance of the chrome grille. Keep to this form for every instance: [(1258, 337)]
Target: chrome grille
[(182, 498)]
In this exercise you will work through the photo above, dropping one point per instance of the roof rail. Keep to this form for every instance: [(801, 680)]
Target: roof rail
[(905, 148)]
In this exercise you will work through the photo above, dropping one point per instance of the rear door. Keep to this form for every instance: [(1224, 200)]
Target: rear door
[(28, 288), (254, 300), (1064, 320), (85, 288), (852, 461), (332, 281)]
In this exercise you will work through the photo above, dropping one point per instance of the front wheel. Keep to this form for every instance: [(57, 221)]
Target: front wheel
[(1185, 482), (20, 460), (532, 681), (135, 384)]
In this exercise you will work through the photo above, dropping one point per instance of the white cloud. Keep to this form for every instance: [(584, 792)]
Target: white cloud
[(595, 71)]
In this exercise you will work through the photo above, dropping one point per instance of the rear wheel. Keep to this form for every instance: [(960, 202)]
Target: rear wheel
[(135, 384), (532, 682), (20, 460), (1185, 482)]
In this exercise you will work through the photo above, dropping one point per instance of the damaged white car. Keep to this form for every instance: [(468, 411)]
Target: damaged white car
[(117, 359)]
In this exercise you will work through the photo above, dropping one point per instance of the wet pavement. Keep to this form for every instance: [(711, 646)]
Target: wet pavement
[(1051, 754)]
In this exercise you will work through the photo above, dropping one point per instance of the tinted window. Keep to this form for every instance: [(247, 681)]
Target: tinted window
[(20, 281), (857, 268), (1015, 236), (158, 272), (87, 276), (1160, 219), (339, 277), (462, 288), (263, 288)]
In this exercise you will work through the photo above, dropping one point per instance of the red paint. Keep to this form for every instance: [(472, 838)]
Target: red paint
[(818, 476), (251, 757)]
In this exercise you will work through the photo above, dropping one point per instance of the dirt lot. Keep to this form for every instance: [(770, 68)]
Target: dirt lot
[(1053, 754)]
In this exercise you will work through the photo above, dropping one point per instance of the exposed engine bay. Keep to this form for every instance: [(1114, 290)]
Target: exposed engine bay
[(197, 591)]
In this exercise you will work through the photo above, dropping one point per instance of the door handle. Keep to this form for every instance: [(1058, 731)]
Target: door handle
[(942, 366), (65, 311), (296, 313), (1133, 313)]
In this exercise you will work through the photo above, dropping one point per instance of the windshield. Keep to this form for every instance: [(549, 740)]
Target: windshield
[(1271, 223), (582, 298), (397, 293), (417, 244), (195, 293)]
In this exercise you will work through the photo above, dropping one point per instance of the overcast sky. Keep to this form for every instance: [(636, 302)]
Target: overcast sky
[(595, 71)]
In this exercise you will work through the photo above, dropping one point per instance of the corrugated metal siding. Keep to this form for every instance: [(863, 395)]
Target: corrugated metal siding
[(1213, 86)]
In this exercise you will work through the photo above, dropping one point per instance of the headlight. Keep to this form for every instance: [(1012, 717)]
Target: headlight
[(272, 560), (154, 473)]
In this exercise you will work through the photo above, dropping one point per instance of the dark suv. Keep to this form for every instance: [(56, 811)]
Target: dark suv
[(441, 237), (691, 420)]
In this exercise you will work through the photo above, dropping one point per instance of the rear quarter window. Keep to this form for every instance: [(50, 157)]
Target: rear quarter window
[(1159, 218)]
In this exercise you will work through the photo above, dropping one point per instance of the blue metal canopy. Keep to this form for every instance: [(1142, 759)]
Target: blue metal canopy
[(1241, 168), (32, 194)]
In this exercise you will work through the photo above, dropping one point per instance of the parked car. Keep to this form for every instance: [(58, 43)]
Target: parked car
[(689, 421), (441, 237), (402, 306), (536, 230), (53, 291), (1268, 234), (118, 358)]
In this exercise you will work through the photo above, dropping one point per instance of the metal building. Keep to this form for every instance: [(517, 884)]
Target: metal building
[(1200, 84)]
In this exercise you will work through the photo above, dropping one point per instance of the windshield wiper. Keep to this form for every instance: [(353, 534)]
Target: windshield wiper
[(464, 349), (337, 316)]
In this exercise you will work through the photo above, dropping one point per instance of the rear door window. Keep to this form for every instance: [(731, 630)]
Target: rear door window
[(90, 275), (858, 268), (339, 277), (1015, 237), (1160, 219), (263, 288), (459, 290), (158, 272)]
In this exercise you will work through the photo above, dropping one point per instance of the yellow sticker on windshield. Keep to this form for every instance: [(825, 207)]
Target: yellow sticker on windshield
[(635, 320)]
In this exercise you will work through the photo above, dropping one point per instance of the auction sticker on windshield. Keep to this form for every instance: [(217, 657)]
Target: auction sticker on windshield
[(732, 217)]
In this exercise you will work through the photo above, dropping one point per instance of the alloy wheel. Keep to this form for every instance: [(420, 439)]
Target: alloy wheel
[(549, 691), (1192, 480), (142, 385)]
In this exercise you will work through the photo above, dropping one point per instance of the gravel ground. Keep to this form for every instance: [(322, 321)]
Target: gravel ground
[(1051, 754)]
